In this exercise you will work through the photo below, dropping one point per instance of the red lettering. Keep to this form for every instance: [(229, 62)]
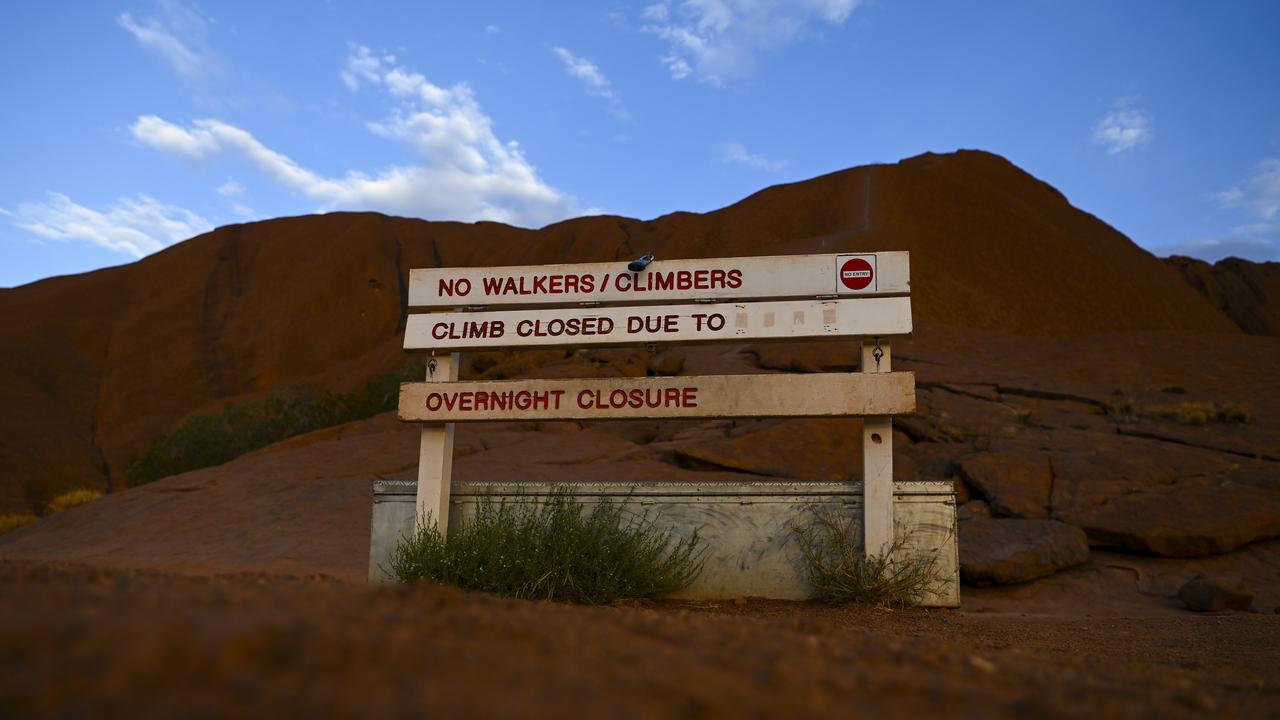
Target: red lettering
[(717, 279), (460, 286), (671, 396), (700, 281), (689, 397), (735, 279)]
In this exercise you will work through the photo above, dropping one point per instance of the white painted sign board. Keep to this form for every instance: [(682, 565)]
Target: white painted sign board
[(707, 396), (776, 277), (701, 323)]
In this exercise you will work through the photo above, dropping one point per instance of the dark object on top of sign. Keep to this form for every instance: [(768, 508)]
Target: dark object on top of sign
[(640, 263)]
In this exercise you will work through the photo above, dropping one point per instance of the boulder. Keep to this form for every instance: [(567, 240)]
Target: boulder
[(667, 363), (806, 357), (1014, 483), (825, 449), (1204, 595), (972, 509), (1188, 520), (1000, 551)]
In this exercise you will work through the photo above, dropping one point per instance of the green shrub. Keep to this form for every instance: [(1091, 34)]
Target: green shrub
[(555, 549), (9, 523), (831, 549), (209, 440), (71, 499)]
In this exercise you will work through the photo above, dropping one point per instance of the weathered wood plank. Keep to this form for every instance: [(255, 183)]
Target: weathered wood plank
[(698, 323), (707, 396), (877, 460), (435, 454), (776, 277)]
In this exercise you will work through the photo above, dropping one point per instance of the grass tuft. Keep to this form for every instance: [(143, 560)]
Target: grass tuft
[(71, 499), (1197, 414), (1188, 413), (840, 573), (209, 440), (555, 549), (9, 523)]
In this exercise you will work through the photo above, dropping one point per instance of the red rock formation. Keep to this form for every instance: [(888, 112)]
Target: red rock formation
[(93, 367)]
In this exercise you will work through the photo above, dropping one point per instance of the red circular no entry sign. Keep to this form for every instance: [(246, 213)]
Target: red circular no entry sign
[(856, 273)]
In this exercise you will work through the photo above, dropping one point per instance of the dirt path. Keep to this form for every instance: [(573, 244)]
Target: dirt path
[(92, 642)]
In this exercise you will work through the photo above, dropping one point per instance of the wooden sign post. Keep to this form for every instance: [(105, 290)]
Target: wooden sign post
[(435, 453), (783, 298)]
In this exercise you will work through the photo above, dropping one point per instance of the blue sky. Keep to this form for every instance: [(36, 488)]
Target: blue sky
[(130, 126)]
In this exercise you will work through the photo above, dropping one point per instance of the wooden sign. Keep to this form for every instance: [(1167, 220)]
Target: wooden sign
[(790, 297), (708, 396), (579, 327), (776, 277)]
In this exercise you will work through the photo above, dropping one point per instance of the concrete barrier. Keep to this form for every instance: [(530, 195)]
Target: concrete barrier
[(746, 528)]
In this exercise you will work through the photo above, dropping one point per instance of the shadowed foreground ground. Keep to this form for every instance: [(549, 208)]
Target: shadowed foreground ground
[(91, 642)]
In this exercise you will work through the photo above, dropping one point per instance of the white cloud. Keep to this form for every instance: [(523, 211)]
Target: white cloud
[(716, 40), (1256, 244), (464, 172), (230, 188), (1260, 193), (179, 36), (1124, 128), (586, 71), (134, 226), (492, 29), (1257, 239), (734, 153), (597, 84), (361, 66), (657, 12)]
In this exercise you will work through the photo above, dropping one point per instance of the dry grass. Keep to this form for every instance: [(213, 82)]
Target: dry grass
[(555, 549), (1188, 413), (840, 573), (1198, 413), (9, 523), (71, 499)]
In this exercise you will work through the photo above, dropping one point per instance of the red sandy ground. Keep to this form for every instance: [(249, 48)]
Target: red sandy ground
[(80, 641)]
